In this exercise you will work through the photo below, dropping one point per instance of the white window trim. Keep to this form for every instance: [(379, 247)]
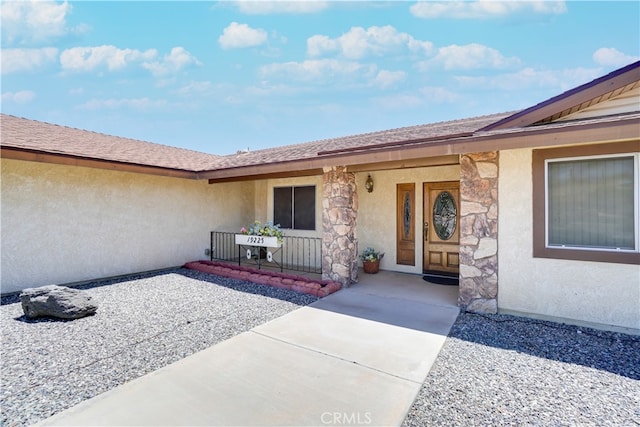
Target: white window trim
[(636, 197)]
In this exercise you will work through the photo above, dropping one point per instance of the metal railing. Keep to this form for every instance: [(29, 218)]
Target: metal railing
[(223, 246), (298, 253)]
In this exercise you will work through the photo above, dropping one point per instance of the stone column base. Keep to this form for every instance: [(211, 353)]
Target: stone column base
[(339, 237), (479, 232)]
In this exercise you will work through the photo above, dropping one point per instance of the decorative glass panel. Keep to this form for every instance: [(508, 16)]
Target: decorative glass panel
[(444, 215), (406, 217)]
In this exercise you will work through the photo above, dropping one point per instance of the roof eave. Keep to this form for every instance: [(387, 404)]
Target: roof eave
[(571, 98), (15, 153), (442, 151)]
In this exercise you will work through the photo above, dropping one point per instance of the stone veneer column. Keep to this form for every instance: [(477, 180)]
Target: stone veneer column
[(339, 237), (479, 232)]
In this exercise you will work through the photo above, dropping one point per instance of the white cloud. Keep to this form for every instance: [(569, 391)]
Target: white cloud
[(527, 78), (400, 101), (22, 97), (318, 71), (612, 57), (90, 58), (484, 9), (139, 104), (386, 78), (429, 95), (83, 59), (178, 59), (471, 56), (195, 88), (233, 100), (439, 95), (241, 35), (21, 60), (358, 43), (323, 71), (253, 7), (266, 89), (35, 22), (524, 78), (318, 44)]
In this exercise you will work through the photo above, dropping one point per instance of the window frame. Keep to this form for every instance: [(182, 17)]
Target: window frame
[(540, 160), (292, 189)]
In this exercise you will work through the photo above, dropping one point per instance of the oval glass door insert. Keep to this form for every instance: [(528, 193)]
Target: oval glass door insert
[(444, 215)]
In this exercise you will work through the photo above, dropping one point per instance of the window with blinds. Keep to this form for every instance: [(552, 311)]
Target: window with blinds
[(591, 203), (586, 202)]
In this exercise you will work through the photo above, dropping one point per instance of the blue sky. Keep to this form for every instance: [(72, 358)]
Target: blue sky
[(218, 77)]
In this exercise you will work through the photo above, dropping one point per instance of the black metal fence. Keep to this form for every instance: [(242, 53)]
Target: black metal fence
[(298, 253)]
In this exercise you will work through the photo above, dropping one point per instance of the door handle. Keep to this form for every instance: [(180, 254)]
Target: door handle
[(426, 231)]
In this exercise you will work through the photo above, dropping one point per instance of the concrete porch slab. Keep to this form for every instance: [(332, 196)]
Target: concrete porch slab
[(392, 335)]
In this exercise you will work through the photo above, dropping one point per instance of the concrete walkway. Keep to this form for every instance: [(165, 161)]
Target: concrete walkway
[(356, 357)]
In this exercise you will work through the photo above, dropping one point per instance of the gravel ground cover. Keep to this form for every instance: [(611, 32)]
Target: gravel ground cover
[(492, 371), (143, 323), (508, 371)]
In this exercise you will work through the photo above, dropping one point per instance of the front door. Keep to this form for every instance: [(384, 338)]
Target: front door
[(441, 231)]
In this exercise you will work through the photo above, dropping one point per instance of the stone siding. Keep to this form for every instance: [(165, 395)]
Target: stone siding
[(339, 236), (479, 232)]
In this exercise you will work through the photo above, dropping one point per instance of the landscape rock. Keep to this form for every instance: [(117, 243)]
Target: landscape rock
[(56, 301)]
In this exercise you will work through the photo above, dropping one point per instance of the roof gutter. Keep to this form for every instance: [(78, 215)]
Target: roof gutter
[(396, 144), (404, 156), (15, 153)]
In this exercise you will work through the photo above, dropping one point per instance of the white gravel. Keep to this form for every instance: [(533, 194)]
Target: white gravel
[(492, 371), (142, 324), (510, 371)]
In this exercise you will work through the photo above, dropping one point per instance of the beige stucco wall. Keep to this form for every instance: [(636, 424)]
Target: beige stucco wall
[(261, 195), (577, 290), (377, 210), (63, 224)]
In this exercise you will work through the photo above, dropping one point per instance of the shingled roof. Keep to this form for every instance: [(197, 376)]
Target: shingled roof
[(40, 137), (386, 138)]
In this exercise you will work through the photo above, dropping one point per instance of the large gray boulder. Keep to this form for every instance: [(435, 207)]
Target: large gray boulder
[(56, 301)]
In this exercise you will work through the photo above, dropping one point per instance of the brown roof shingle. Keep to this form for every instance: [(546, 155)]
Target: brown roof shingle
[(365, 141), (31, 135)]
